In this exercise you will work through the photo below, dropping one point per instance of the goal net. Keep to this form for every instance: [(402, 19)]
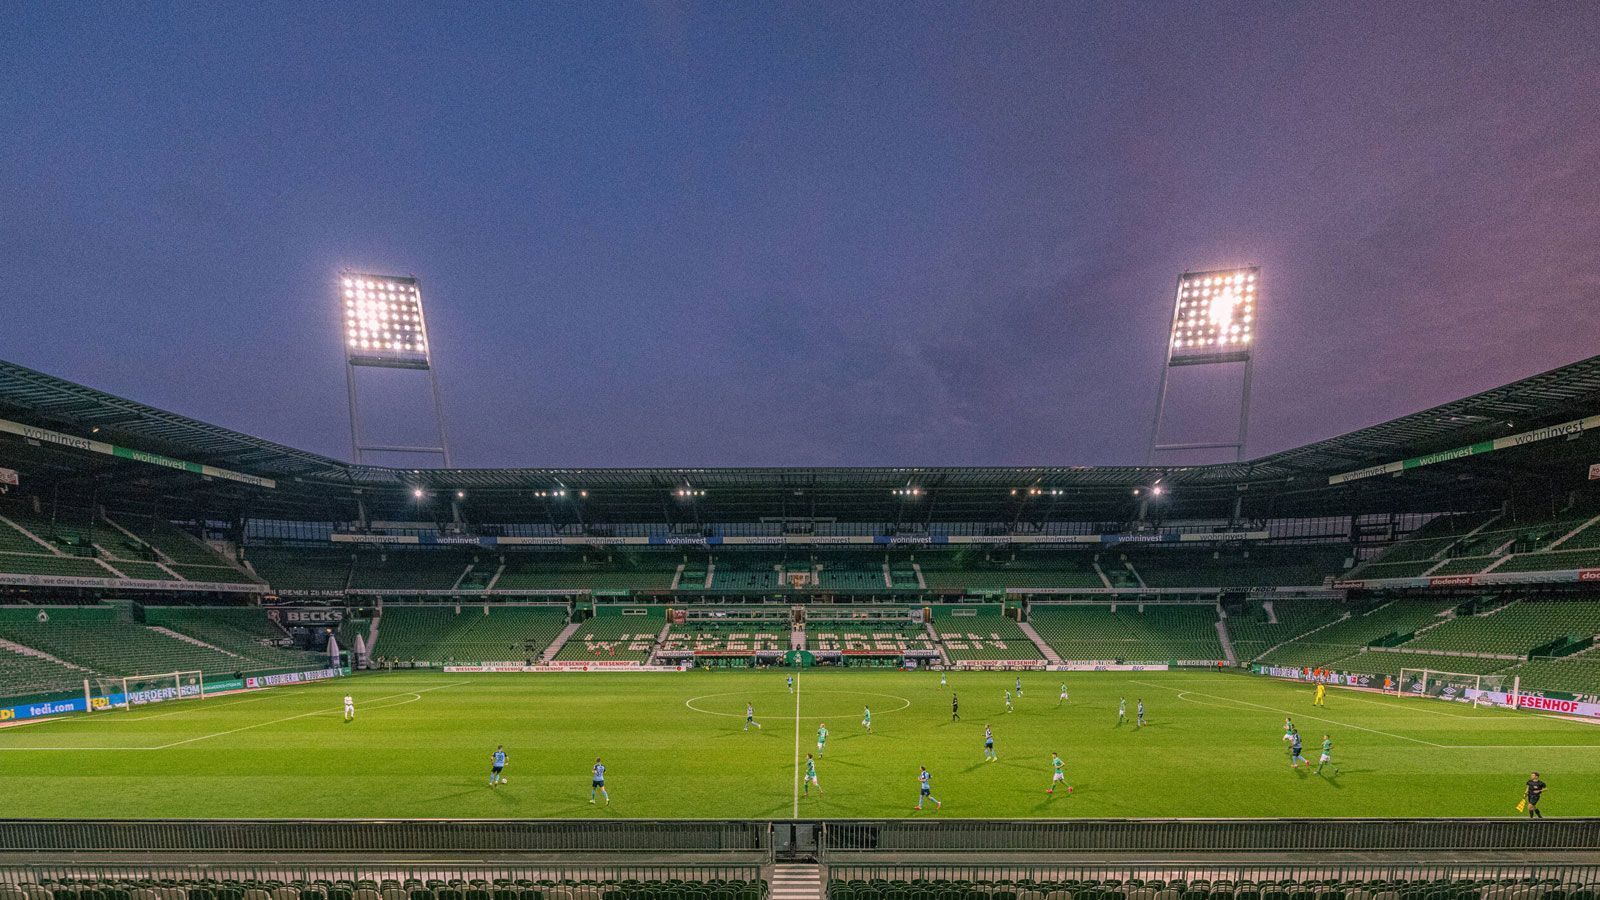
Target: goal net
[(142, 690), (1457, 686)]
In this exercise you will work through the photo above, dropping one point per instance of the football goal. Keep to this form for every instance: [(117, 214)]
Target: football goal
[(1478, 690), (142, 690)]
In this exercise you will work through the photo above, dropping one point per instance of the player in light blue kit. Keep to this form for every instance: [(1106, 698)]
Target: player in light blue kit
[(988, 745), (926, 783), (497, 766), (1139, 722), (599, 782), (791, 684), (750, 717)]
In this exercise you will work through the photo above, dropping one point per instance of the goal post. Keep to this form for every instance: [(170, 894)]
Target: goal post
[(1458, 686), (142, 690)]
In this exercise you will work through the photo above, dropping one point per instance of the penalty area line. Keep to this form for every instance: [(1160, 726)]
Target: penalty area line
[(1300, 714)]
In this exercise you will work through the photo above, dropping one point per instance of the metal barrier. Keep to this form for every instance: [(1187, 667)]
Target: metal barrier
[(1209, 835), (451, 874), (1121, 878), (802, 838), (384, 836)]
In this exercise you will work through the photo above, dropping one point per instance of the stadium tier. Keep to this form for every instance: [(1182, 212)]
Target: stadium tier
[(1030, 569), (243, 631), (407, 570), (470, 633), (615, 634), (106, 641), (25, 671), (1379, 661), (1392, 619), (1578, 674), (758, 572), (869, 640), (980, 633), (576, 572), (302, 570), (1264, 566), (1127, 632), (851, 572), (734, 640), (1515, 628), (1265, 624)]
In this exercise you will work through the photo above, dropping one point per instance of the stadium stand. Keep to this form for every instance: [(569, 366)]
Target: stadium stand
[(744, 572), (560, 571), (244, 631), (851, 572), (106, 640), (1101, 632), (1343, 638), (1383, 662), (876, 639), (23, 673), (44, 564), (1543, 562), (173, 544), (302, 570), (1579, 674), (1253, 566), (1032, 569), (403, 570), (980, 632), (475, 634), (1515, 628), (626, 634), (1253, 630), (713, 638)]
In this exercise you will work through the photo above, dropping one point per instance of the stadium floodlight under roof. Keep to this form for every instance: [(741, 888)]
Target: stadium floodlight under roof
[(385, 328), (1213, 322)]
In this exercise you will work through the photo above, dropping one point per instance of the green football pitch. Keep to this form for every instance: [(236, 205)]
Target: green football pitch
[(675, 746)]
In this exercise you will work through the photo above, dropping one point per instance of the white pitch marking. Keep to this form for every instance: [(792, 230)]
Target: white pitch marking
[(797, 747), (415, 695)]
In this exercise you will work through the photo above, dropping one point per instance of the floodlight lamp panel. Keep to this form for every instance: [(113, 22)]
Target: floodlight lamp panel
[(383, 319), (1214, 316)]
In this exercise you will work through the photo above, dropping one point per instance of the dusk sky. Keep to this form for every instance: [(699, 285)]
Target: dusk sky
[(798, 234)]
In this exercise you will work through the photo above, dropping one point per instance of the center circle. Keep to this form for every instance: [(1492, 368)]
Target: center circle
[(834, 706)]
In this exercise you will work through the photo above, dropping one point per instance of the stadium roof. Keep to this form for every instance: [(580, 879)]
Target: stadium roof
[(1291, 482)]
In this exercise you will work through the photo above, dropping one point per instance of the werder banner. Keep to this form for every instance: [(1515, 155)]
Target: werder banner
[(1576, 426), (46, 436)]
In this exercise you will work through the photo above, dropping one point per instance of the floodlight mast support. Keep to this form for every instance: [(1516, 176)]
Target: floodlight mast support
[(408, 356), (1223, 355)]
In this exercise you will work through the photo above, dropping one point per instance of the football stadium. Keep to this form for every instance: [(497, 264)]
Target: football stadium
[(1328, 629)]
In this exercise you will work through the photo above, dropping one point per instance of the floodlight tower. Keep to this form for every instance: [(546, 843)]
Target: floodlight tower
[(1213, 323), (384, 328)]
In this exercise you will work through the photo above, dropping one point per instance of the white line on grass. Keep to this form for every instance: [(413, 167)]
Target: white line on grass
[(1292, 713), (206, 737), (797, 748), (318, 712), (1402, 737)]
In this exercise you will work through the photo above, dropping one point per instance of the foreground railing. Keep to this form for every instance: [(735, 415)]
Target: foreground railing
[(818, 838), (1209, 835)]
